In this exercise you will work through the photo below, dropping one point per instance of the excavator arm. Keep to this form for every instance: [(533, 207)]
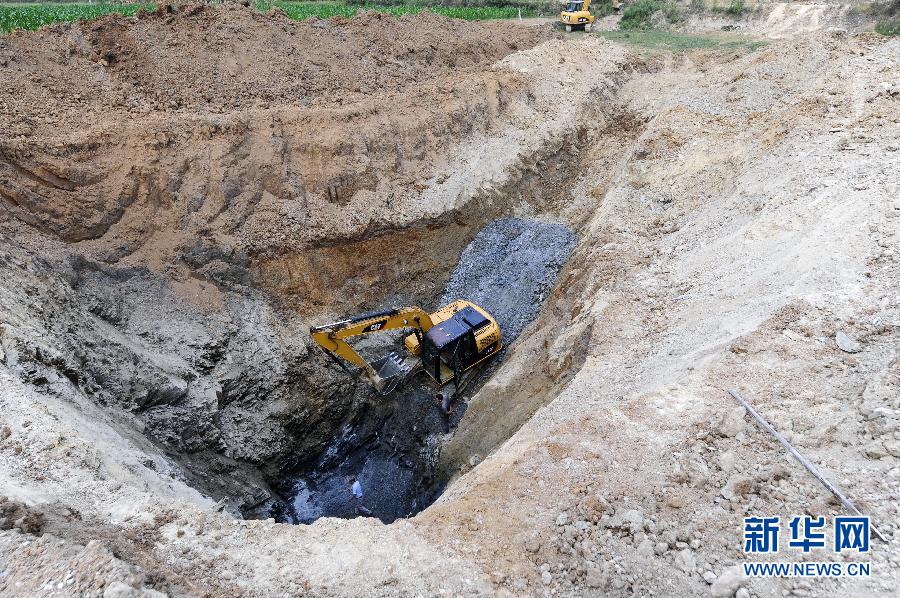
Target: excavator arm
[(385, 373)]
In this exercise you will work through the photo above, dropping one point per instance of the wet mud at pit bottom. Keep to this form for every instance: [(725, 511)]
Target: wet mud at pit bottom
[(390, 449)]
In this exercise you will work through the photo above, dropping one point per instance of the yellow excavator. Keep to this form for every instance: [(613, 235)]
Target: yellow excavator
[(448, 345), (576, 14)]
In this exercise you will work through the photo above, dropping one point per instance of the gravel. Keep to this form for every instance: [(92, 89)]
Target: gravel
[(509, 269)]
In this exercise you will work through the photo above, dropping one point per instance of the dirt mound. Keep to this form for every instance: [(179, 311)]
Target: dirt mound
[(206, 133), (222, 58)]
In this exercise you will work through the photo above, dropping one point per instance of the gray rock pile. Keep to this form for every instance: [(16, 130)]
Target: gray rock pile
[(510, 268)]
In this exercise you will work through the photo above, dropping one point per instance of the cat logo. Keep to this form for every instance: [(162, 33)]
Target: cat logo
[(375, 326)]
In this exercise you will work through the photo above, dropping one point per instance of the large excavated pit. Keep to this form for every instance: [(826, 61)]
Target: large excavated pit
[(391, 446), (182, 244), (185, 193)]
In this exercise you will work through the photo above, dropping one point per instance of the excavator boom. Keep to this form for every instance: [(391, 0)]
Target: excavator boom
[(384, 373)]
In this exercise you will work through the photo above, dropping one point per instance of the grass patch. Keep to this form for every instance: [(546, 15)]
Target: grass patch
[(323, 10), (672, 42), (888, 27), (34, 16)]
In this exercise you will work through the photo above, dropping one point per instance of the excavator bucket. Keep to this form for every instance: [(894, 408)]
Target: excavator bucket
[(392, 370)]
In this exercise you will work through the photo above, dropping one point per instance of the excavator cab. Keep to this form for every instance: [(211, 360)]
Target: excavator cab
[(576, 15), (450, 348)]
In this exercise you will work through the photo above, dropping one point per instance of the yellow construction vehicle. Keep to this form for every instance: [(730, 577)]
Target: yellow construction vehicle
[(576, 15), (447, 344)]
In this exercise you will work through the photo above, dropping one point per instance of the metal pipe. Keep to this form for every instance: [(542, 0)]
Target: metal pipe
[(803, 461)]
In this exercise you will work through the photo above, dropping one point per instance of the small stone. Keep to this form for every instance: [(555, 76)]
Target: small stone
[(879, 412), (594, 578), (634, 520), (742, 593), (876, 450), (546, 577), (893, 447), (562, 519), (118, 589), (675, 501), (685, 560), (709, 577), (661, 548), (533, 544), (726, 461), (733, 422), (645, 548), (727, 583), (845, 343)]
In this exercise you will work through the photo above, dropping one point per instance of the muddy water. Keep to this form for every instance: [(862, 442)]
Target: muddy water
[(389, 451), (383, 463)]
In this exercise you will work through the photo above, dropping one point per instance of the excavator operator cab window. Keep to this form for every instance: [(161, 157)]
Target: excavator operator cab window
[(574, 6), (467, 350), (431, 359), (434, 357), (452, 343)]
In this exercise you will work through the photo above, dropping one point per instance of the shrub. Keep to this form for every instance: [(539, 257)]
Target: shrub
[(672, 12), (640, 14), (888, 27), (601, 8), (637, 15), (736, 7)]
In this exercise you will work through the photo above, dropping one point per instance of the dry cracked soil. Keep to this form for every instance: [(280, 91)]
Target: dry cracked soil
[(184, 193)]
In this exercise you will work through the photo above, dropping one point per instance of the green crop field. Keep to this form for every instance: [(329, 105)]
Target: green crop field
[(34, 16), (304, 10)]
